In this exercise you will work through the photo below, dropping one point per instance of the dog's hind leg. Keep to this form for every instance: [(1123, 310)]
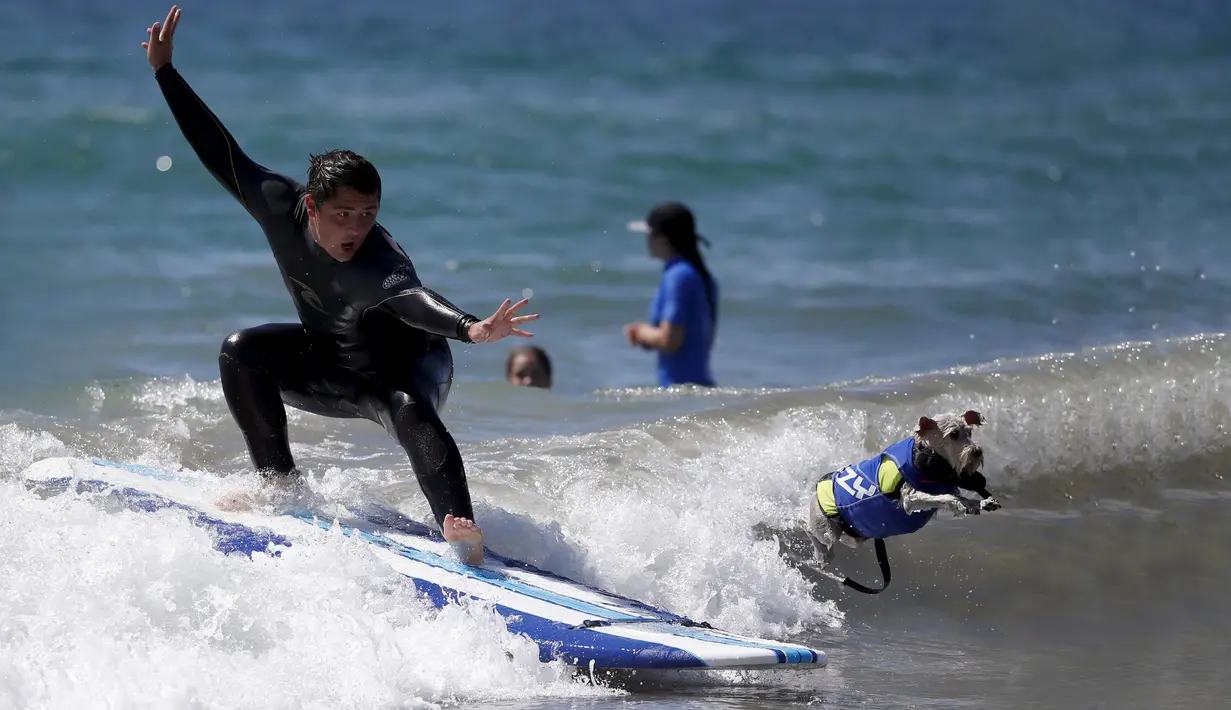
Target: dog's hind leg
[(823, 534), (824, 552), (852, 542)]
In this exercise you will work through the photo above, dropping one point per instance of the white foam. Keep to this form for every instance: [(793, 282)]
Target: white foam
[(107, 609), (20, 447), (672, 525)]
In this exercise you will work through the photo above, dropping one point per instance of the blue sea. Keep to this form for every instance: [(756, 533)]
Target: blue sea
[(914, 208)]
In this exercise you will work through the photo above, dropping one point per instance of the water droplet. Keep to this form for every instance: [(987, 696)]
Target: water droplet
[(451, 265), (1132, 253), (527, 293), (972, 336), (817, 218), (186, 291), (1055, 173), (97, 397), (596, 266), (163, 163), (83, 142)]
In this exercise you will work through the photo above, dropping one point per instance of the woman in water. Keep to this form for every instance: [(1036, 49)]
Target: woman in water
[(684, 313)]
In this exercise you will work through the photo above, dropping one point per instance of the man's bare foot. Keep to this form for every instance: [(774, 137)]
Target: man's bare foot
[(273, 486), (466, 538), (235, 501)]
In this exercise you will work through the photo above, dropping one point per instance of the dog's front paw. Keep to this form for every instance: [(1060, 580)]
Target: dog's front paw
[(990, 504), (971, 507)]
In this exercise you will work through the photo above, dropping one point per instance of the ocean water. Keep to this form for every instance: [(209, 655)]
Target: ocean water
[(1018, 208)]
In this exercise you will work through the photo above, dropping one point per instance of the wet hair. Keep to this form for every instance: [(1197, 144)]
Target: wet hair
[(676, 223), (686, 245), (329, 172), (539, 354)]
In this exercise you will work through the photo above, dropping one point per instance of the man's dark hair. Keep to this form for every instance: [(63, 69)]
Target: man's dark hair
[(341, 168)]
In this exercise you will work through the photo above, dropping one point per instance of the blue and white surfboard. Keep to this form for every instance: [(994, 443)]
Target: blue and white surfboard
[(581, 625)]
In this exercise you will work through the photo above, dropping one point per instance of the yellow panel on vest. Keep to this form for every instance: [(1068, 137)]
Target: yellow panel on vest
[(888, 475), (824, 496)]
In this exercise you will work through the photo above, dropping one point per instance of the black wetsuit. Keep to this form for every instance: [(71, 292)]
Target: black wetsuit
[(371, 341)]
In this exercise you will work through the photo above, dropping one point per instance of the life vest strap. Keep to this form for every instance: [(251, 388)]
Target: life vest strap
[(882, 559)]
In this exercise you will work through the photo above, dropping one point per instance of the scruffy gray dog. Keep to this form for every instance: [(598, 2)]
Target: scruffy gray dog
[(900, 489)]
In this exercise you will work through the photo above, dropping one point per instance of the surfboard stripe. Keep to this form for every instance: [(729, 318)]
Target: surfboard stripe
[(647, 655), (483, 575), (787, 655), (396, 523)]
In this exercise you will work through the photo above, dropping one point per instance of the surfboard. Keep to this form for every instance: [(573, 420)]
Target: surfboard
[(582, 625)]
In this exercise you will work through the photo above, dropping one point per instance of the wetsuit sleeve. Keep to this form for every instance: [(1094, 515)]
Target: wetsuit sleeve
[(421, 307), (261, 191)]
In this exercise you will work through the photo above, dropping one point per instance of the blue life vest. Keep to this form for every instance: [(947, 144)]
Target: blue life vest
[(866, 508)]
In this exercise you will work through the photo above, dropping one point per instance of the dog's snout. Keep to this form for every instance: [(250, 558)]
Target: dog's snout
[(977, 450)]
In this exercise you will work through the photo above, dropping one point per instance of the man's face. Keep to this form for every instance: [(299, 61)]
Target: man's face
[(341, 223)]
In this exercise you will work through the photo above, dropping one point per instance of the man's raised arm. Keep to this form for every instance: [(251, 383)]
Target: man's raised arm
[(213, 144)]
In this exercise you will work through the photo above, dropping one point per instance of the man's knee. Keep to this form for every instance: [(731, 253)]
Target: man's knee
[(250, 348), (236, 348)]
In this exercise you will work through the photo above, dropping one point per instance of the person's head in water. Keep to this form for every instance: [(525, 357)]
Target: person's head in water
[(528, 366), (671, 232), (342, 201)]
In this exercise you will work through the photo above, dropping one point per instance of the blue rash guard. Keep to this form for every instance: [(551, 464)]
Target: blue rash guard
[(682, 300), (866, 508)]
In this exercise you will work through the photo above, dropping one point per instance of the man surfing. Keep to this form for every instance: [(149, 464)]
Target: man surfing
[(371, 341)]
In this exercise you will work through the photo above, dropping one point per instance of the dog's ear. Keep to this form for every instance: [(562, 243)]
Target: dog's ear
[(925, 423), (973, 418)]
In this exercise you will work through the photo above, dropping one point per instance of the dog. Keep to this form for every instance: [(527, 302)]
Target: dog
[(900, 489)]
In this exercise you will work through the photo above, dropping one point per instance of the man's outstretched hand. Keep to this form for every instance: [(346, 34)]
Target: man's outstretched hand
[(502, 324), (158, 47)]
